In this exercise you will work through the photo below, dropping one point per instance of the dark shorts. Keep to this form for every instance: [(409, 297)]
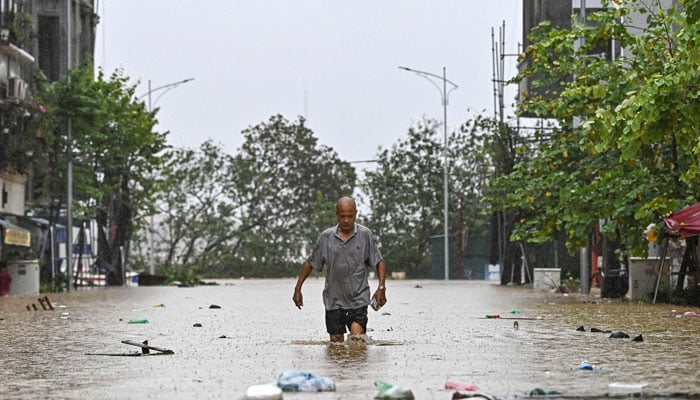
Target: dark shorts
[(338, 320)]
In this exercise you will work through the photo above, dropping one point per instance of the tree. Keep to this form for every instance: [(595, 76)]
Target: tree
[(285, 180), (199, 208), (406, 195), (626, 145), (255, 213), (116, 154)]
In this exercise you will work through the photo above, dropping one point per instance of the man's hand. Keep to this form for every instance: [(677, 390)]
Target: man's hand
[(380, 295), (298, 298)]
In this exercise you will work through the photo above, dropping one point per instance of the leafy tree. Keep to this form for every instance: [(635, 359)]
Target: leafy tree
[(285, 180), (498, 147), (255, 213), (406, 195), (116, 154), (201, 224), (626, 145)]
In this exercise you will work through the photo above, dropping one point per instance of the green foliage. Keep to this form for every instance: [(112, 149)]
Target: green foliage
[(406, 193), (255, 214), (285, 177), (115, 155), (625, 148)]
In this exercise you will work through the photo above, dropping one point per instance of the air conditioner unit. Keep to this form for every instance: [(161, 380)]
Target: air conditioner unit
[(16, 89)]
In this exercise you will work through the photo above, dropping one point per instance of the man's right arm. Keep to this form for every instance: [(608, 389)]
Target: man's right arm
[(303, 274)]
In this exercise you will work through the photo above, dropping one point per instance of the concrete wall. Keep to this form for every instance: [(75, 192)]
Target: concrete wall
[(12, 187)]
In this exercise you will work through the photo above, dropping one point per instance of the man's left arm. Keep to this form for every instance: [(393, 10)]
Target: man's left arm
[(380, 293)]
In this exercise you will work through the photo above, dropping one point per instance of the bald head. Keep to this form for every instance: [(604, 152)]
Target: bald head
[(346, 212), (345, 203)]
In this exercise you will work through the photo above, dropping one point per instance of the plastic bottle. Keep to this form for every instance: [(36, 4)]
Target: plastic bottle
[(387, 391)]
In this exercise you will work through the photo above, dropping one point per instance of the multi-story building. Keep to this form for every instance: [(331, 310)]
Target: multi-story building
[(49, 35), (561, 14)]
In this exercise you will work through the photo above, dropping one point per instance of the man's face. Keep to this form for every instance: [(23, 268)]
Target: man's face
[(346, 217)]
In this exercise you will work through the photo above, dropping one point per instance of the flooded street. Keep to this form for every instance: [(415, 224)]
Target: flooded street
[(428, 333)]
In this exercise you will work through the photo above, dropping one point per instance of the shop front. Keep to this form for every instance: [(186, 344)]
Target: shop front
[(18, 263)]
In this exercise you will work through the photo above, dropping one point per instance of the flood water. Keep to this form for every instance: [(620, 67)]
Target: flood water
[(428, 333)]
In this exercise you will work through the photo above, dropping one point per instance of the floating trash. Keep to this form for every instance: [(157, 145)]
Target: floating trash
[(459, 386), (300, 381), (618, 388), (269, 391), (585, 366), (543, 392), (388, 391)]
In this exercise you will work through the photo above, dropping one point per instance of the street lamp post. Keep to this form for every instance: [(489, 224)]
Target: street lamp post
[(444, 95), (165, 88), (69, 155)]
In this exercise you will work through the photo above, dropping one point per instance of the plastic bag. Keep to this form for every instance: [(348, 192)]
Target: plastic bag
[(300, 381), (390, 392)]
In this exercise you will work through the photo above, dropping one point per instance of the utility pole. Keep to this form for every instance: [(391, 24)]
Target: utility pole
[(165, 88), (69, 150), (444, 94)]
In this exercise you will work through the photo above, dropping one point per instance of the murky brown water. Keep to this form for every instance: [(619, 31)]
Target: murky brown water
[(430, 332)]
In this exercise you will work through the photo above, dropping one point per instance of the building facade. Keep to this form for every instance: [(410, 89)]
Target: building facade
[(50, 36)]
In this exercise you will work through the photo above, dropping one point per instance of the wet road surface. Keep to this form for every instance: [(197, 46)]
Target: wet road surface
[(428, 333)]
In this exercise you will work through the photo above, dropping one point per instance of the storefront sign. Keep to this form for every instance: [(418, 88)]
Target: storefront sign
[(17, 237)]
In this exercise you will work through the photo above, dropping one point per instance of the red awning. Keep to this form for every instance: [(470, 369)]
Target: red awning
[(685, 222)]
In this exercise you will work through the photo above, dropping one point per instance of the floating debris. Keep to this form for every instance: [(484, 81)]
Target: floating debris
[(145, 350), (543, 392)]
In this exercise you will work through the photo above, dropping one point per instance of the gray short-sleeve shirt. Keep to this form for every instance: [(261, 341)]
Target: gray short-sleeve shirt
[(348, 264)]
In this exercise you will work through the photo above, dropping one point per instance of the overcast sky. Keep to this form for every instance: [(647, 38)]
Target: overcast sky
[(333, 62)]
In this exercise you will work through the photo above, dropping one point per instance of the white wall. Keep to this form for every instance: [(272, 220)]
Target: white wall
[(14, 185)]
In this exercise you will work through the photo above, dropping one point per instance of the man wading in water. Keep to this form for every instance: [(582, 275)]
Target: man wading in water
[(349, 252)]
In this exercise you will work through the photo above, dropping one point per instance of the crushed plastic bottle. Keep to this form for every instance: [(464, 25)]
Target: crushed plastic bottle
[(387, 391), (585, 365), (300, 381), (138, 321)]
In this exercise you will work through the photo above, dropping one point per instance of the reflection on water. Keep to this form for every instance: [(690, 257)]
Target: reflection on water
[(349, 355), (428, 333)]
